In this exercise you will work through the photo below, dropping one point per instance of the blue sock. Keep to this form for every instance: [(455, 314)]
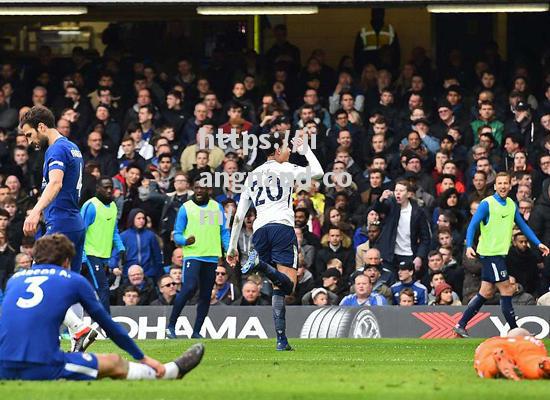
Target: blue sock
[(278, 303), (508, 311), (278, 279), (473, 308)]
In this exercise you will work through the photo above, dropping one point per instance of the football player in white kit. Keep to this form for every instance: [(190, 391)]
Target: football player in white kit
[(275, 251)]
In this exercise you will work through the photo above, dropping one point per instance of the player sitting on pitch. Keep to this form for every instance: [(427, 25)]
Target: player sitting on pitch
[(518, 356), (34, 306)]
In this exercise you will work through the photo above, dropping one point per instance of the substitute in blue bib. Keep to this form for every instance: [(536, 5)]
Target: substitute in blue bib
[(201, 229), (495, 216), (34, 307), (102, 238)]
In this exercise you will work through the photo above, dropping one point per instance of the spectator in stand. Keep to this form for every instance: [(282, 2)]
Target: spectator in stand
[(378, 277), (364, 295), (520, 297), (131, 296), (405, 275), (334, 248), (319, 297), (138, 281), (444, 296), (142, 246), (524, 264), (486, 116), (193, 124), (405, 235), (167, 291), (251, 296), (406, 298), (97, 153), (129, 153), (22, 262), (226, 291), (176, 273), (7, 260), (437, 278)]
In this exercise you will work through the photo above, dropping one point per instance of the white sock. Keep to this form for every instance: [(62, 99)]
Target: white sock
[(172, 370), (137, 371), (72, 320)]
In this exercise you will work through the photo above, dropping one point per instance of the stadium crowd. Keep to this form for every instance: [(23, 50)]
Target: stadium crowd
[(422, 146)]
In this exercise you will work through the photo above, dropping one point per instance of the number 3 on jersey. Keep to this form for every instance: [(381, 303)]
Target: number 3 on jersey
[(36, 291)]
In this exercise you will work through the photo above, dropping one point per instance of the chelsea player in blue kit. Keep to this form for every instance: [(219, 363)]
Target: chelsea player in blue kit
[(35, 303), (61, 185)]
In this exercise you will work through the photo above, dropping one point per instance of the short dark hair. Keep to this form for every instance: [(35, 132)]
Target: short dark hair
[(304, 210), (165, 155), (103, 178), (275, 141), (38, 115), (4, 213), (53, 249), (159, 280), (433, 253), (131, 288)]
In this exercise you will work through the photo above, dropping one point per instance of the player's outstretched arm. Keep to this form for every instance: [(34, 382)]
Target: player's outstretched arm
[(242, 208), (48, 195), (316, 168)]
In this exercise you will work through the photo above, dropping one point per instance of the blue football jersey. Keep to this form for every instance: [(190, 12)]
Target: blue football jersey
[(63, 213), (34, 308)]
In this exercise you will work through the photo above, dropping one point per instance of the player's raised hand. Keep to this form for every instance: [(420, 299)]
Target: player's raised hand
[(544, 249), (298, 143), (31, 224), (471, 253), (190, 240), (232, 257), (156, 365)]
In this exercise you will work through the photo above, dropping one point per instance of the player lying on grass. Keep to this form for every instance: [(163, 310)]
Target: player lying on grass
[(518, 356), (34, 306)]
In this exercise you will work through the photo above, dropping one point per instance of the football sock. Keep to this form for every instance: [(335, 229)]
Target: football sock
[(508, 311), (72, 320), (172, 370), (278, 279), (138, 371), (278, 303), (473, 308)]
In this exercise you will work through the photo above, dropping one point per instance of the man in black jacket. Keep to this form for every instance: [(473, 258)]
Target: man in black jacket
[(405, 233), (539, 221)]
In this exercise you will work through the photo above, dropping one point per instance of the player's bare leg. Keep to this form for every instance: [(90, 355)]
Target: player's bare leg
[(115, 367), (486, 292)]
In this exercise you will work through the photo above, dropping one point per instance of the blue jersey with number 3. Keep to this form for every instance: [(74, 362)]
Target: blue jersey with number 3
[(34, 308), (63, 213)]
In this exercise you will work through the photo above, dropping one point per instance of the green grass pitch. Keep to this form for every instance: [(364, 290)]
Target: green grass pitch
[(318, 369)]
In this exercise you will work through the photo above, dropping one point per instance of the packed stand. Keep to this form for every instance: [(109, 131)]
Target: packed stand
[(422, 147)]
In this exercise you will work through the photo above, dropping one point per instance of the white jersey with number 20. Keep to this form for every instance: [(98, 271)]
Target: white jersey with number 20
[(270, 190)]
